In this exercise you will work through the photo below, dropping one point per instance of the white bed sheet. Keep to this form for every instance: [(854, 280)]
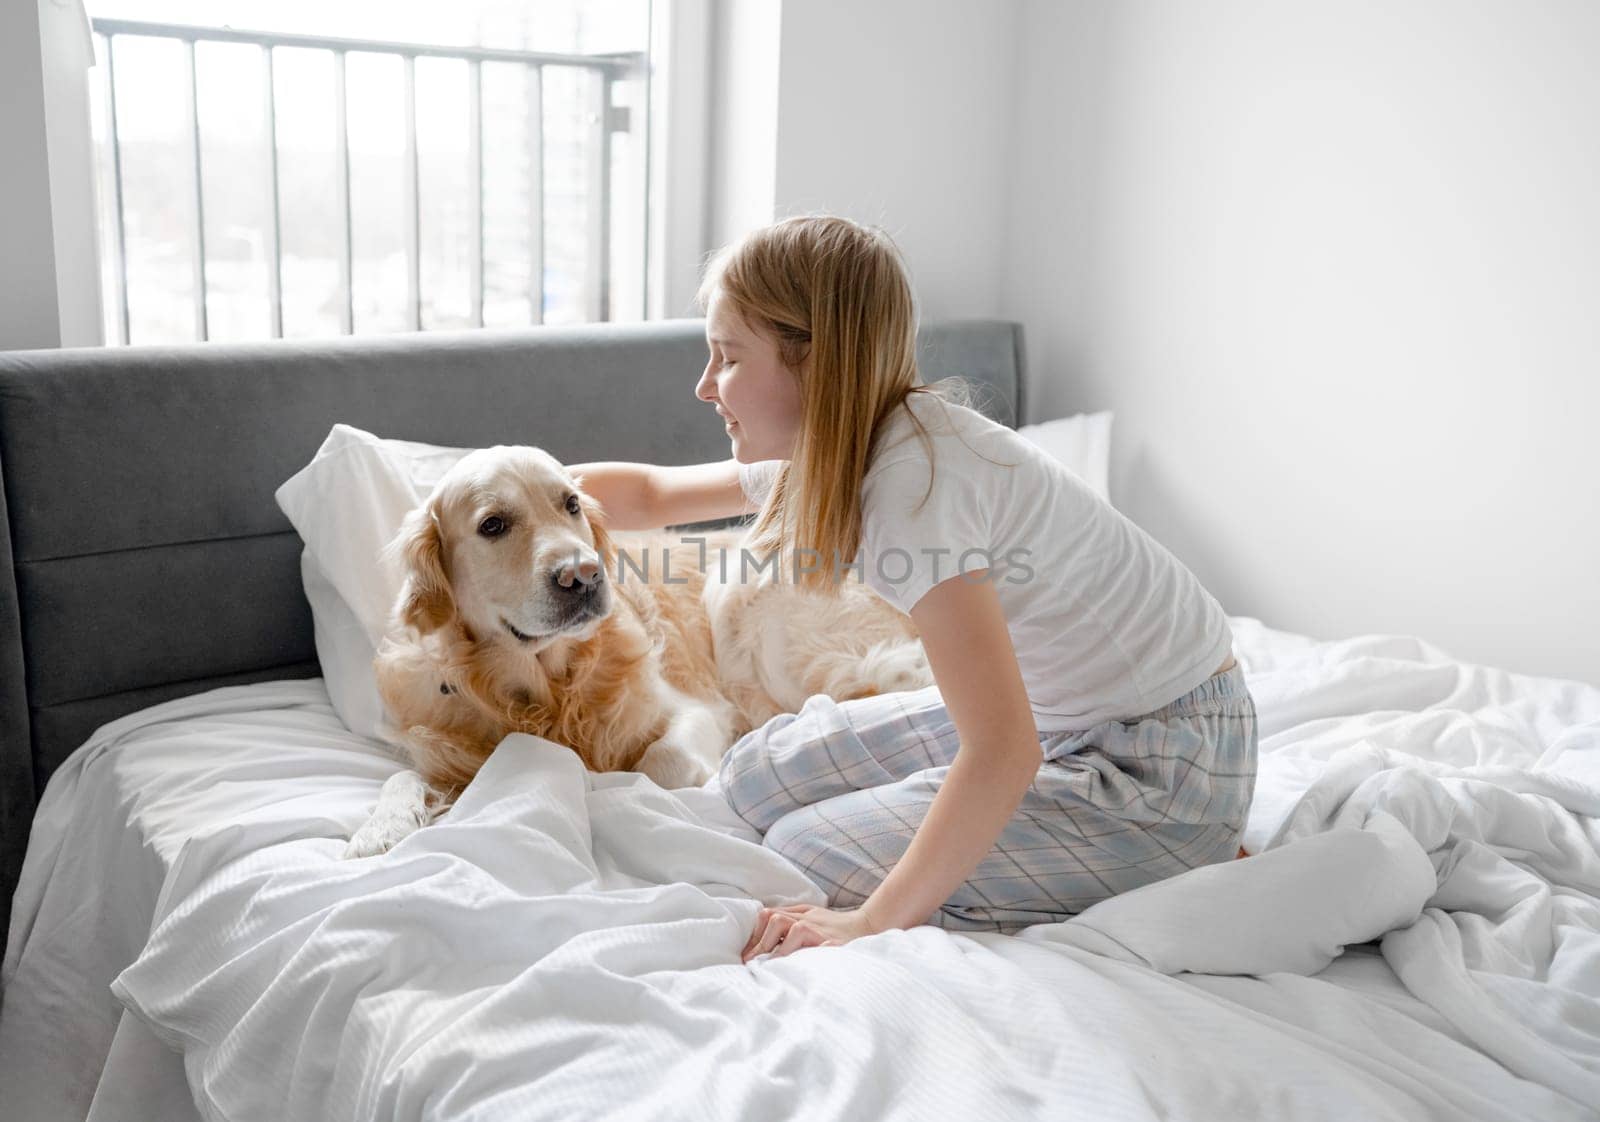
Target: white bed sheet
[(112, 820), (1001, 1024)]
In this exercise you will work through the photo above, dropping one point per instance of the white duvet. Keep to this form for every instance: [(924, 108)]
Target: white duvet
[(566, 945)]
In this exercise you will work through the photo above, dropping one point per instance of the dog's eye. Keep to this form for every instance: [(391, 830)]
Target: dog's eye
[(573, 505), (492, 526)]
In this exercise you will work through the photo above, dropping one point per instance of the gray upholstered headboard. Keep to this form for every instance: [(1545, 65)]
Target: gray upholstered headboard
[(143, 557)]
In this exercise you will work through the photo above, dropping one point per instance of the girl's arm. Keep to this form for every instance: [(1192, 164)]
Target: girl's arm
[(649, 496), (975, 667)]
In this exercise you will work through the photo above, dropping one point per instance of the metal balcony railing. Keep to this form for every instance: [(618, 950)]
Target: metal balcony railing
[(605, 120)]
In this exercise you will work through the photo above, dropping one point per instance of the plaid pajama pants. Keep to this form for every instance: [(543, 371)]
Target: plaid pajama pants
[(840, 788)]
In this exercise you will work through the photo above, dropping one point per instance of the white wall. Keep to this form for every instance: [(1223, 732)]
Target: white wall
[(681, 42), (900, 113), (897, 113), (1335, 264), (744, 113), (49, 280), (27, 252), (68, 53)]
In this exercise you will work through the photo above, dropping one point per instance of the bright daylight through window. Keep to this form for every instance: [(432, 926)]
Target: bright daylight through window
[(298, 168)]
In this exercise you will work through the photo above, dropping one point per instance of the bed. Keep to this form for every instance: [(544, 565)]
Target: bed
[(1417, 935)]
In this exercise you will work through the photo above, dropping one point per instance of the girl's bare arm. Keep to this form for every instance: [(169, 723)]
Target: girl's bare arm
[(648, 496)]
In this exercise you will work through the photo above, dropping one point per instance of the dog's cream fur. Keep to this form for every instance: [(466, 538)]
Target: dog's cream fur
[(511, 631)]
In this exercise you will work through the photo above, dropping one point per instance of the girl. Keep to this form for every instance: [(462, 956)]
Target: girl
[(1089, 731)]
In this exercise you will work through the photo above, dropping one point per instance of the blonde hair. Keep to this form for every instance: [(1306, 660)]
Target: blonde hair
[(835, 297)]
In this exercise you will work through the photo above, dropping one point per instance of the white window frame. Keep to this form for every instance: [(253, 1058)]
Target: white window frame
[(57, 202)]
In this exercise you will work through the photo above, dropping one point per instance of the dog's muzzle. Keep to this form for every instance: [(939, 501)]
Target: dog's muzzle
[(578, 592), (577, 579), (577, 595)]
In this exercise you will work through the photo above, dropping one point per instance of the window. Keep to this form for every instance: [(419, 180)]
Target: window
[(311, 168)]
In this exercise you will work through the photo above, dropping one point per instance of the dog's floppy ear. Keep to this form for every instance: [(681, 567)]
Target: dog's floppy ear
[(427, 603)]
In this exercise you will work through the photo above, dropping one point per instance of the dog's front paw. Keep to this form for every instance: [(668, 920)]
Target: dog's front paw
[(402, 809), (370, 841), (671, 766)]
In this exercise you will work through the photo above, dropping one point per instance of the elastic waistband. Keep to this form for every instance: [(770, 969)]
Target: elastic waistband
[(1215, 690)]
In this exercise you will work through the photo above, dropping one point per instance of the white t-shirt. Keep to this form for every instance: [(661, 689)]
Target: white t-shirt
[(1107, 624)]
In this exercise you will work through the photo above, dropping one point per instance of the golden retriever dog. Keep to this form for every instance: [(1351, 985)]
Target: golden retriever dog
[(652, 652)]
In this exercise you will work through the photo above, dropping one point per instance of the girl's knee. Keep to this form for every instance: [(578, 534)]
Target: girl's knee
[(771, 770), (779, 735), (746, 774), (833, 861), (798, 835)]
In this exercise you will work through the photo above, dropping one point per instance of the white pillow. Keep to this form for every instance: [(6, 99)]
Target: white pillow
[(344, 650), (1082, 443), (347, 505)]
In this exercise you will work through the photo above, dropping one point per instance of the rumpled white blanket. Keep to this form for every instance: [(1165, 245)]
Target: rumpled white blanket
[(566, 945), (1481, 883)]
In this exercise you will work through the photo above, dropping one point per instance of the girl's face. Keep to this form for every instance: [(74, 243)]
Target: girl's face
[(757, 396)]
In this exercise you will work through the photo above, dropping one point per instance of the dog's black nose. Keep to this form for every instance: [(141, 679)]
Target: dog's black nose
[(577, 578)]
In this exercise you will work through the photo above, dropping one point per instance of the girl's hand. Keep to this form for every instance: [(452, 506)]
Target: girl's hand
[(787, 929)]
